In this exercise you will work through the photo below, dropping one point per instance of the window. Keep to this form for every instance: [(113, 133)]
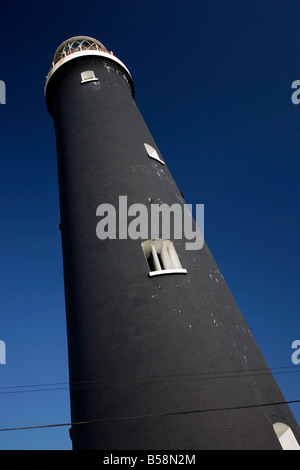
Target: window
[(152, 153), (286, 437), (88, 76), (162, 257)]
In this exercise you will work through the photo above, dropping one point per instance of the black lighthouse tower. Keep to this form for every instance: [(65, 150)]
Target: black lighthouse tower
[(160, 356)]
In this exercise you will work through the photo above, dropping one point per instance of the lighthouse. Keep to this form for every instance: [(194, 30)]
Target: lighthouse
[(160, 356)]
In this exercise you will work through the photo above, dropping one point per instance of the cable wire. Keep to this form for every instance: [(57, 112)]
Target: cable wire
[(147, 380), (157, 415)]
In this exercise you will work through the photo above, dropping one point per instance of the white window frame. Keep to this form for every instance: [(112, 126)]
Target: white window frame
[(286, 437), (88, 76), (168, 263), (152, 153)]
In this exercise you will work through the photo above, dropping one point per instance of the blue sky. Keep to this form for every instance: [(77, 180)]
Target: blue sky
[(213, 82)]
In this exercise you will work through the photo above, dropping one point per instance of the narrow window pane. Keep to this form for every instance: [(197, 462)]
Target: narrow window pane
[(165, 257), (150, 260), (174, 257), (155, 258)]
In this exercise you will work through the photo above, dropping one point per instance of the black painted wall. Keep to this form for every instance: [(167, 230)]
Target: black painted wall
[(145, 352)]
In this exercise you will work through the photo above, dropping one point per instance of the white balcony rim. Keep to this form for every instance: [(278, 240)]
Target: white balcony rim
[(84, 53)]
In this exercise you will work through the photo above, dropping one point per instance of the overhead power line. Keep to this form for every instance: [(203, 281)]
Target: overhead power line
[(150, 379), (157, 415)]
